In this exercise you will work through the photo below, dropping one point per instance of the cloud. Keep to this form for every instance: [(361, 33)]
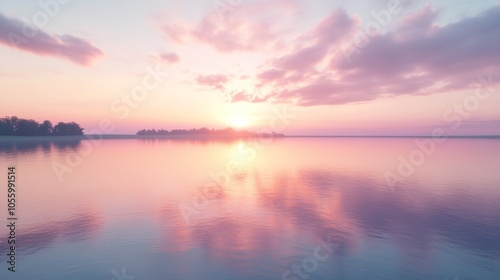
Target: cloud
[(324, 36), (169, 58), (213, 81), (68, 47), (243, 28), (419, 57), (271, 75)]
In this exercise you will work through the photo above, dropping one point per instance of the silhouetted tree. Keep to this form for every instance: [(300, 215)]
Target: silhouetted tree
[(71, 128), (205, 131), (6, 126), (142, 132), (23, 127), (26, 128), (45, 128)]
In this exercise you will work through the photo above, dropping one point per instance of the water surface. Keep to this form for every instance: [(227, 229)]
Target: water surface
[(180, 209)]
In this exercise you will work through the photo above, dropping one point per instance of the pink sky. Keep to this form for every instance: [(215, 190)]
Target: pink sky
[(342, 68)]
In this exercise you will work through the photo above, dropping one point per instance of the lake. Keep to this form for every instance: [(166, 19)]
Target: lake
[(291, 208)]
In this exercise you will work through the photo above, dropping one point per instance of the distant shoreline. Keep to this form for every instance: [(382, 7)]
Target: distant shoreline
[(133, 136), (208, 137)]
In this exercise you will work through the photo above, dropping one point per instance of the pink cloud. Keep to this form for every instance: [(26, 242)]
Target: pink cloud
[(169, 58), (244, 28), (217, 81), (237, 96), (418, 23), (418, 58), (322, 38), (176, 33), (271, 75), (68, 47)]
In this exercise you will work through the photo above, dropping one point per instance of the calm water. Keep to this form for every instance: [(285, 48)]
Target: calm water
[(151, 209)]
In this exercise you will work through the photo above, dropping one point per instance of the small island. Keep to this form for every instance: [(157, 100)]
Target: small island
[(227, 132), (14, 126)]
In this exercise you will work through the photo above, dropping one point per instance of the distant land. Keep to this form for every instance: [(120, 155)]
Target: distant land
[(18, 128), (228, 132), (14, 126)]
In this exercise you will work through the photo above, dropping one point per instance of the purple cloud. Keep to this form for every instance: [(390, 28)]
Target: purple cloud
[(169, 58), (418, 58), (68, 47)]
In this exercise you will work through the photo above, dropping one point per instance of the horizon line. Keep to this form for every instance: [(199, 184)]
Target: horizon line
[(234, 136)]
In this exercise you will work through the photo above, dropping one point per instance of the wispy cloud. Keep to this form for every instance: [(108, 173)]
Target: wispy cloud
[(417, 57), (243, 29), (65, 46), (216, 81), (169, 58)]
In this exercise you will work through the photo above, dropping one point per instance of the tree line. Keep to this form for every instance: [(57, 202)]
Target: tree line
[(206, 131), (14, 126)]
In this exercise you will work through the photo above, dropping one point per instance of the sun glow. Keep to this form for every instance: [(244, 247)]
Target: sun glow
[(239, 121)]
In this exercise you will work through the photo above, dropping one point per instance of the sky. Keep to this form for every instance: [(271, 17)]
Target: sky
[(379, 67)]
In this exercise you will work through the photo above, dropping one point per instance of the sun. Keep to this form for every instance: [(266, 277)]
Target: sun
[(239, 121)]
